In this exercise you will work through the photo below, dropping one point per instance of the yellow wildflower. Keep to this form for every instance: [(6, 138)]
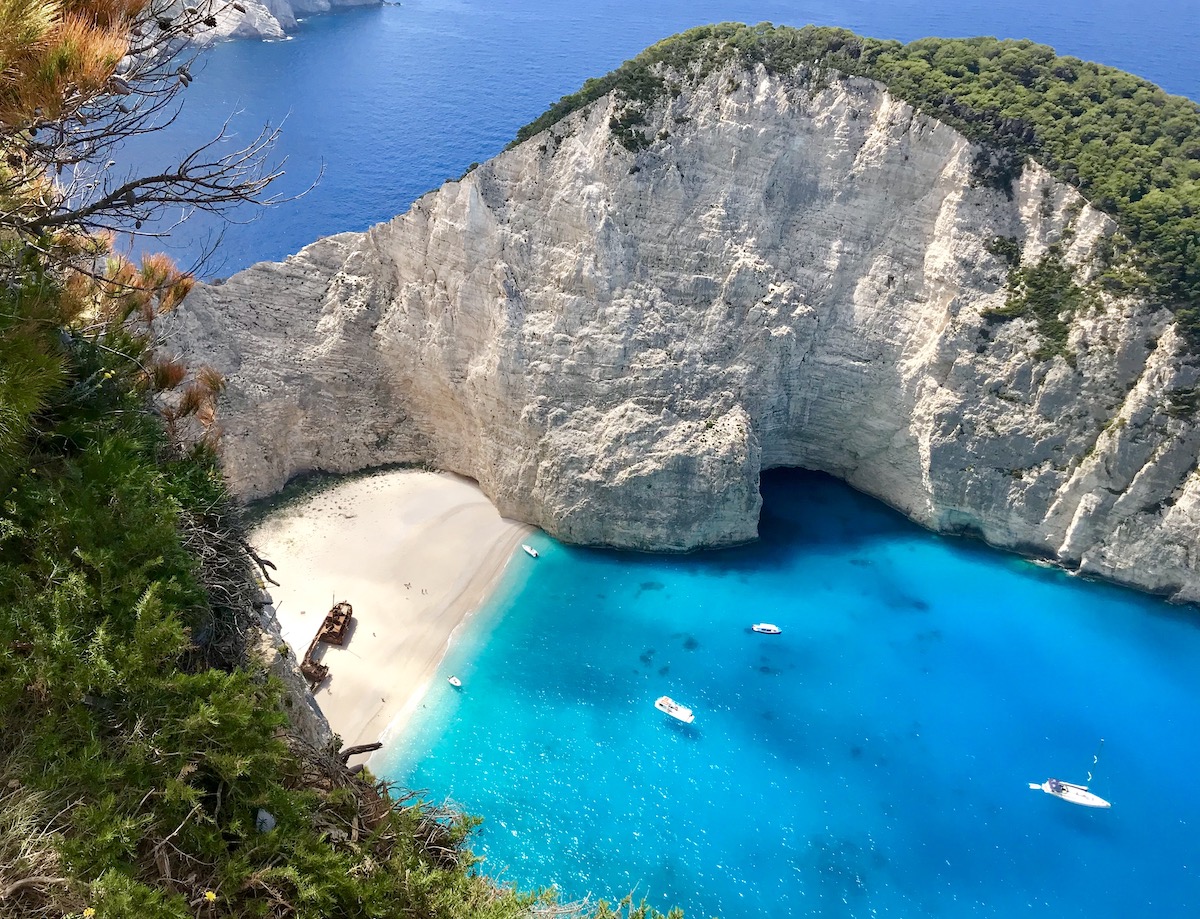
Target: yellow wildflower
[(88, 913), (210, 896)]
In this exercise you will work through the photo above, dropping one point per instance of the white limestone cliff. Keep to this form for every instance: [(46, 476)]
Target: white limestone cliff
[(265, 19), (615, 344)]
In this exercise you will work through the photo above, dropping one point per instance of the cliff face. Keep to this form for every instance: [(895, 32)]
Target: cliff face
[(615, 344), (266, 19)]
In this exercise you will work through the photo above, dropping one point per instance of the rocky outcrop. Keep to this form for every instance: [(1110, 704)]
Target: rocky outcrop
[(266, 19), (614, 344)]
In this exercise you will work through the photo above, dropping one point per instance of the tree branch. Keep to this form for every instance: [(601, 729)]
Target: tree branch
[(56, 173), (35, 881)]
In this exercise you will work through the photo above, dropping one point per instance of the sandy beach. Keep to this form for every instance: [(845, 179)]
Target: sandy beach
[(415, 553)]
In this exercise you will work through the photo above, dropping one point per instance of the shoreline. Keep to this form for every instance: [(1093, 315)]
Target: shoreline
[(416, 554)]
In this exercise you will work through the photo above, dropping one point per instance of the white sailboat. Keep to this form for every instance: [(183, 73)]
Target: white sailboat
[(1072, 793), (1069, 791)]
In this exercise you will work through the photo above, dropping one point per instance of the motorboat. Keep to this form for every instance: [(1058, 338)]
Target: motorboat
[(530, 550), (1069, 791), (674, 709), (455, 682), (766, 628)]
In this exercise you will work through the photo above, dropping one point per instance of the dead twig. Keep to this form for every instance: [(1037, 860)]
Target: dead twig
[(348, 752), (35, 881)]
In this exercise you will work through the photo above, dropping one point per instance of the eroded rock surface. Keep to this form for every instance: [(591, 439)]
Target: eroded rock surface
[(265, 19), (615, 344)]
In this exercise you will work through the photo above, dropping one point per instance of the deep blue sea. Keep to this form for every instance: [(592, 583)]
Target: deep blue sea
[(873, 760), (393, 100)]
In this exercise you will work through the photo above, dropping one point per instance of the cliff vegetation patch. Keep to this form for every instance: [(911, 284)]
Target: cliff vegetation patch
[(1007, 248), (1132, 149), (1045, 292)]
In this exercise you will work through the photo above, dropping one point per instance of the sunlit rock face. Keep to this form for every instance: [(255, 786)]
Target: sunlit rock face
[(615, 344), (265, 19)]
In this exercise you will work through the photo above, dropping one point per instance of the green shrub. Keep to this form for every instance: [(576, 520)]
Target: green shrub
[(1130, 148), (1046, 292), (1006, 247), (139, 742)]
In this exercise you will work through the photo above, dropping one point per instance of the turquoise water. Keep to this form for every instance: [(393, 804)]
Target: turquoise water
[(872, 760)]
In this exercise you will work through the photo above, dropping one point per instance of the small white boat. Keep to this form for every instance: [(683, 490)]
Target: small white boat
[(766, 628), (455, 682), (1069, 791), (674, 709), (530, 550)]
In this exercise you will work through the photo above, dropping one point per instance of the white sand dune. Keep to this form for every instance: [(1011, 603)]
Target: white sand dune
[(415, 553)]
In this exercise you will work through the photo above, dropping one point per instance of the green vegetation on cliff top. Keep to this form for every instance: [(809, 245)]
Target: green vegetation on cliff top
[(142, 737), (1132, 149)]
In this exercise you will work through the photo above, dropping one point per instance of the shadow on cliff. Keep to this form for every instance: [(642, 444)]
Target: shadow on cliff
[(815, 512)]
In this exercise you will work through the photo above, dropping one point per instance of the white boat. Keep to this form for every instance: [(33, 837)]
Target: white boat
[(674, 709), (1069, 791), (455, 682), (530, 549), (766, 628)]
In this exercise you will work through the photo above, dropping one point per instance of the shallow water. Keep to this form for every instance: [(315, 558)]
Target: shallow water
[(871, 760)]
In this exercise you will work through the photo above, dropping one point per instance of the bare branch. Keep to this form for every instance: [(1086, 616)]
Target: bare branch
[(37, 881), (58, 174), (205, 180)]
